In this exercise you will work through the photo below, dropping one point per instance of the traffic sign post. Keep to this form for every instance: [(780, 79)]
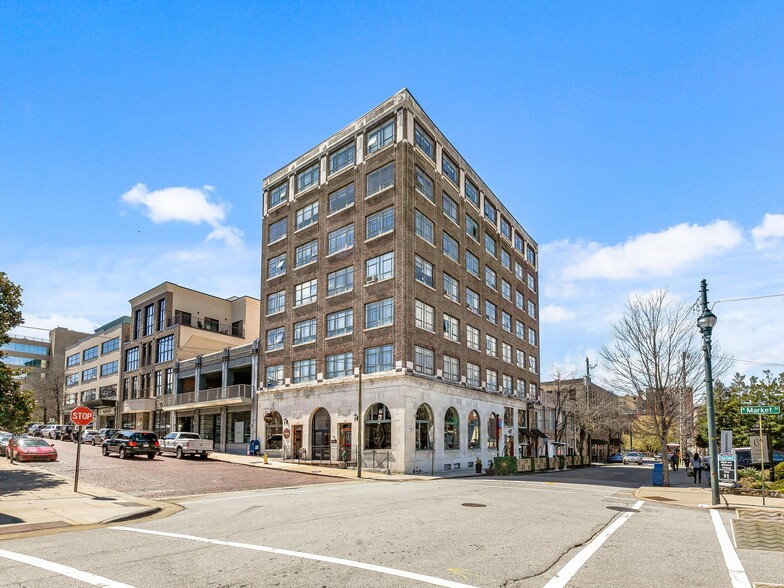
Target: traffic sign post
[(81, 415), (759, 411)]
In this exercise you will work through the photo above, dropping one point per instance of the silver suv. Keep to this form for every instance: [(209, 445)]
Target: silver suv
[(52, 431)]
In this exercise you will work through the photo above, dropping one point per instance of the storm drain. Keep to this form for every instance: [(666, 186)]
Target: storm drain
[(473, 504), (766, 535)]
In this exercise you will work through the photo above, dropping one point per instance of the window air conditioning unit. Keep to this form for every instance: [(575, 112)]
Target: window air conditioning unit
[(371, 279)]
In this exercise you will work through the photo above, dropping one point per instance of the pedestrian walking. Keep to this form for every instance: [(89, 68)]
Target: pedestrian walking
[(686, 459), (674, 461), (696, 463)]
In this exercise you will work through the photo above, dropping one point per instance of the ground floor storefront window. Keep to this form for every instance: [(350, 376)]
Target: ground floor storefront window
[(378, 428), (238, 430), (210, 427)]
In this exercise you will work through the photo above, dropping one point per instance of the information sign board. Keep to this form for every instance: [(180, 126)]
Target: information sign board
[(728, 468)]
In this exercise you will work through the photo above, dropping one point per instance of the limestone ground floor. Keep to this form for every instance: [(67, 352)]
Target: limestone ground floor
[(401, 423)]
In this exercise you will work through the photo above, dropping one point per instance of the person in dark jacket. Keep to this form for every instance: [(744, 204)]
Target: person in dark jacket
[(696, 463)]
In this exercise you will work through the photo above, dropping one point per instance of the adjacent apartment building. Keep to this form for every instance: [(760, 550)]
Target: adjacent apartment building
[(389, 266), (92, 372), (170, 323)]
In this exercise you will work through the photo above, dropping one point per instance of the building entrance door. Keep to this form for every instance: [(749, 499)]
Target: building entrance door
[(319, 439), (345, 442), (296, 439)]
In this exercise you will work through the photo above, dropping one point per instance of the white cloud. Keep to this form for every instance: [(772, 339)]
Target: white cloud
[(555, 314), (769, 234), (190, 205), (654, 254), (33, 323)]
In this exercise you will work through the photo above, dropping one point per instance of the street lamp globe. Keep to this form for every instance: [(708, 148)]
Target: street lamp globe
[(707, 321)]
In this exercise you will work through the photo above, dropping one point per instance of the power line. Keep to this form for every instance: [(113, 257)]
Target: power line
[(749, 298)]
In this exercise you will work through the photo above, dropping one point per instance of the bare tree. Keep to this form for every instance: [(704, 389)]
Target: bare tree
[(564, 389), (653, 354), (47, 388)]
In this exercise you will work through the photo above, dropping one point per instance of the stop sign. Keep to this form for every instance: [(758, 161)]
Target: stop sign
[(81, 415)]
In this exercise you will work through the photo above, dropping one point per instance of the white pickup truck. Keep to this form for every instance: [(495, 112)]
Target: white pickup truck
[(185, 444)]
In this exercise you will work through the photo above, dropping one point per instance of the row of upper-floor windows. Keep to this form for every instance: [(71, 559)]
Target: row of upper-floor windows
[(90, 374), (376, 359), (383, 135), (24, 361), (164, 351), (14, 346), (92, 352), (138, 386)]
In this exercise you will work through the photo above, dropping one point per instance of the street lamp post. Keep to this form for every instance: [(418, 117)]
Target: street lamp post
[(706, 322)]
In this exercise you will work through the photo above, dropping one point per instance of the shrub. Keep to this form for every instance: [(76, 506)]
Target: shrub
[(505, 466), (751, 473), (779, 470)]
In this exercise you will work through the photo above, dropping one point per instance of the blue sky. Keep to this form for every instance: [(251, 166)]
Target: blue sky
[(640, 144)]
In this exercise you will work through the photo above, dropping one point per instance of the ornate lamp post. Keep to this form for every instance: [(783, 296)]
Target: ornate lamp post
[(706, 322)]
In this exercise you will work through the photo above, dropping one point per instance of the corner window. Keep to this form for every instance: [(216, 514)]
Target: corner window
[(340, 365), (381, 136), (307, 178), (379, 314), (424, 361), (380, 223), (424, 142), (380, 179)]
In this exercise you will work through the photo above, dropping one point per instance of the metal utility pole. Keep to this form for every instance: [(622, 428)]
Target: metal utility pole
[(706, 322)]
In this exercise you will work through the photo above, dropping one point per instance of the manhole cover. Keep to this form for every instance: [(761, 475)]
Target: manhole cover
[(474, 504)]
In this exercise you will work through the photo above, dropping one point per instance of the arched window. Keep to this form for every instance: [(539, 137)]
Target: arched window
[(378, 427), (274, 430), (451, 429), (492, 431), (424, 427), (474, 427)]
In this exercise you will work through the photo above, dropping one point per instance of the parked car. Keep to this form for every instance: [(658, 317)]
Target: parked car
[(32, 449), (632, 457), (4, 437), (35, 430), (744, 458), (90, 436), (51, 431), (184, 444), (105, 433), (616, 458), (130, 443), (67, 433)]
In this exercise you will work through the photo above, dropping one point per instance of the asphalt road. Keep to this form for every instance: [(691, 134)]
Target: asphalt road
[(166, 476), (589, 531)]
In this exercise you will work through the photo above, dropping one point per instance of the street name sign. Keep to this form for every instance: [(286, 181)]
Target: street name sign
[(760, 410)]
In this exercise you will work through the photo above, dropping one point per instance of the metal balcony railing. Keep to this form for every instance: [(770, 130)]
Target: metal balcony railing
[(211, 325), (235, 391)]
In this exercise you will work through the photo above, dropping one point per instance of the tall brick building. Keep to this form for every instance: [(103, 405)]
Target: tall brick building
[(383, 250)]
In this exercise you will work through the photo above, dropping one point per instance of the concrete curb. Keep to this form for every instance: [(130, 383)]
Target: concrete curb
[(147, 512)]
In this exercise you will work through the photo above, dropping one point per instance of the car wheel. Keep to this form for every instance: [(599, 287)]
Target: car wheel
[(122, 452), (150, 456), (203, 456), (179, 453), (104, 450)]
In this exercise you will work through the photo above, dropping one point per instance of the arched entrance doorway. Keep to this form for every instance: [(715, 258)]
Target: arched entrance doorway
[(319, 438)]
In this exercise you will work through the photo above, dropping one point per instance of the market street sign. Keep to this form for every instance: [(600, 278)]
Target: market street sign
[(760, 410)]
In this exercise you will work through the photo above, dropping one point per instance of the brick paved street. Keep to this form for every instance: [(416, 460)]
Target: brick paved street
[(166, 477)]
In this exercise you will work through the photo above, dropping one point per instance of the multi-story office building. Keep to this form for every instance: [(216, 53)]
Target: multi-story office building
[(171, 323), (384, 252), (40, 361), (92, 372)]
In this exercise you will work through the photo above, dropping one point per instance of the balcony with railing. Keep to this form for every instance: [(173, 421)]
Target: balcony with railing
[(207, 324), (234, 394)]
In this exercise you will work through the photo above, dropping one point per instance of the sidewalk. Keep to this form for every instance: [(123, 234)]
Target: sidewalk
[(32, 500), (684, 492)]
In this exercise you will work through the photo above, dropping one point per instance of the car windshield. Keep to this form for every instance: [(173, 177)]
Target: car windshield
[(33, 443)]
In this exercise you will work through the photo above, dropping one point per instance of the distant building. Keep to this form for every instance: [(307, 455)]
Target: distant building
[(92, 372), (170, 323), (43, 360), (384, 252)]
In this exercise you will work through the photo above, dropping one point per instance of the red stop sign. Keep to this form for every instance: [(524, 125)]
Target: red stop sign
[(81, 415)]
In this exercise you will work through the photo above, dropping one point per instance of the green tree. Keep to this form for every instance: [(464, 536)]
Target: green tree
[(16, 405)]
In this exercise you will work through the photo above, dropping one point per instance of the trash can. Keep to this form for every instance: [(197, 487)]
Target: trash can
[(254, 447), (657, 474)]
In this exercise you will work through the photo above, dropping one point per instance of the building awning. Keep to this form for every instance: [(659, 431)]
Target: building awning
[(538, 433), (526, 432)]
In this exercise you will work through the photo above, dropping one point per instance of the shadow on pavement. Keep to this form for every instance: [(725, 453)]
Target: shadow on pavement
[(16, 481)]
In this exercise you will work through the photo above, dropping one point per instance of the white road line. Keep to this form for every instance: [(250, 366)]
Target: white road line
[(57, 568), (569, 570), (734, 567), (302, 555)]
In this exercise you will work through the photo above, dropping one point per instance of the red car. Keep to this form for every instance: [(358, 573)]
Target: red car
[(32, 449)]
